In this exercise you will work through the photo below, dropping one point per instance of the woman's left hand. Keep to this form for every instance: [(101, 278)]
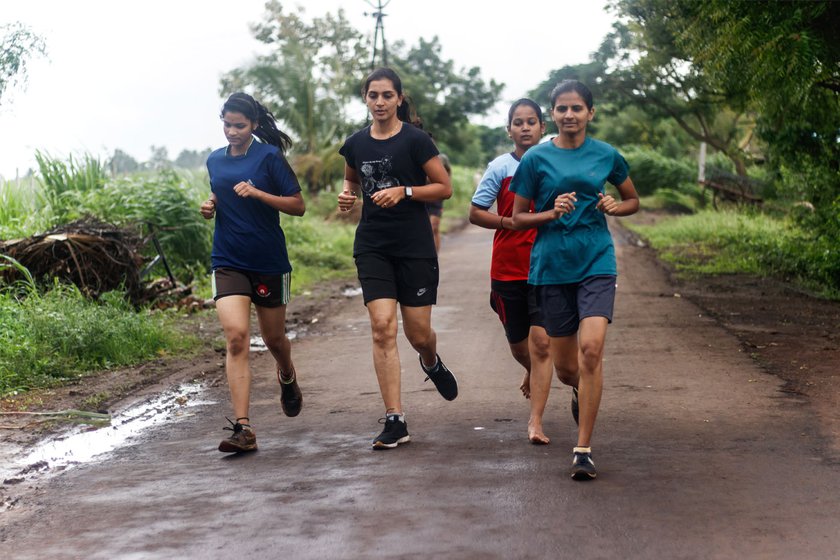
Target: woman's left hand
[(246, 190), (607, 204), (389, 197)]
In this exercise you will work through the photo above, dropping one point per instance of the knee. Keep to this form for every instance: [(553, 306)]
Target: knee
[(539, 347), (419, 338), (276, 341), (384, 332), (567, 373), (238, 343), (591, 356)]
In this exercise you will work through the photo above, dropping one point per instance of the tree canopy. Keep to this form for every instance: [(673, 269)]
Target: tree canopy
[(17, 45)]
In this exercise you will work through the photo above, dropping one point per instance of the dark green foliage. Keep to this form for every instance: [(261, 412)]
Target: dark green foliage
[(651, 171)]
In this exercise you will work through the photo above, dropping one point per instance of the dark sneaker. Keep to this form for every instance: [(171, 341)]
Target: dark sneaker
[(395, 432), (243, 438), (443, 379), (575, 405), (291, 399), (583, 468)]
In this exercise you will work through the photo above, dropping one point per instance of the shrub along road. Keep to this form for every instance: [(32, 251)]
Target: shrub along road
[(700, 453)]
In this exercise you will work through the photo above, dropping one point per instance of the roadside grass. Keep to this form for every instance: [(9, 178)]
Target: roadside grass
[(729, 242), (59, 335)]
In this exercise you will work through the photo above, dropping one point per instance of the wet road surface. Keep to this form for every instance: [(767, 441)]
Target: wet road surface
[(699, 454)]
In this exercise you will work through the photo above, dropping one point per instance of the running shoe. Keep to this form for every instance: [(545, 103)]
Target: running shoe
[(443, 379), (395, 432), (243, 438), (583, 468), (291, 399), (575, 405)]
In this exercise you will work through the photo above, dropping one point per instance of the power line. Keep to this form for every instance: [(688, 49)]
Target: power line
[(379, 31)]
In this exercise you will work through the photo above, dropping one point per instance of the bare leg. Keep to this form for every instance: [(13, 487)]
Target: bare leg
[(272, 322), (386, 358), (521, 353), (417, 324), (592, 334), (234, 314), (541, 368)]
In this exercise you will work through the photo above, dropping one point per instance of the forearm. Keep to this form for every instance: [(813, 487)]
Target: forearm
[(292, 205), (529, 220), (431, 192), (486, 219)]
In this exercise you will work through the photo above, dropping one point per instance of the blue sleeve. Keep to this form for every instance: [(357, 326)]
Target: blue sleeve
[(620, 170), (282, 175), (488, 188), (525, 180)]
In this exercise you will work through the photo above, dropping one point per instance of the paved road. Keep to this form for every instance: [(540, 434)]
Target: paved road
[(699, 454)]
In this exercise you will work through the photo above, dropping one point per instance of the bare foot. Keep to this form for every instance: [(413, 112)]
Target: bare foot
[(526, 386), (536, 435)]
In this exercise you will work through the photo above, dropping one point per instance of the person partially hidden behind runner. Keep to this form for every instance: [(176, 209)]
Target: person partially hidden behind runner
[(435, 207), (511, 297), (387, 164), (573, 261), (251, 184)]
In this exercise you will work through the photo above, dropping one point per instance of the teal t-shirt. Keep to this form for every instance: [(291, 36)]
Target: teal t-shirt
[(577, 245)]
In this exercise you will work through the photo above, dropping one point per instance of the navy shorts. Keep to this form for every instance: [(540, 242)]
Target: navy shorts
[(564, 305), (412, 282), (265, 290), (515, 302)]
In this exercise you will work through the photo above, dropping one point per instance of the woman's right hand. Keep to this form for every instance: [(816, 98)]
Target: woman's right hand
[(564, 204), (208, 208), (346, 200)]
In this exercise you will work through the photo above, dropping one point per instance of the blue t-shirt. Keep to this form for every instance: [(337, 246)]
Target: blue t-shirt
[(248, 234), (577, 245)]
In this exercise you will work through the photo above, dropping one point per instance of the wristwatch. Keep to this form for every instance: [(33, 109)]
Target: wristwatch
[(408, 192)]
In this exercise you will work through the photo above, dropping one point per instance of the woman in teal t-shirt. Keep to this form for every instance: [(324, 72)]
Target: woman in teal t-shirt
[(573, 259)]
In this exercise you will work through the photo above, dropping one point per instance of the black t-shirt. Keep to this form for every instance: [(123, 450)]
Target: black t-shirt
[(403, 230)]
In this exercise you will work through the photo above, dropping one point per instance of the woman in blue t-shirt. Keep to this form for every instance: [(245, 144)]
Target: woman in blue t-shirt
[(252, 183), (573, 259), (387, 164)]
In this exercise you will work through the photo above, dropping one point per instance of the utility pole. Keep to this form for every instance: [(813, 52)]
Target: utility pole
[(379, 30)]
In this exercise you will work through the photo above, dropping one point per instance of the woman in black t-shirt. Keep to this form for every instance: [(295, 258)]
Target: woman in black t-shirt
[(387, 164)]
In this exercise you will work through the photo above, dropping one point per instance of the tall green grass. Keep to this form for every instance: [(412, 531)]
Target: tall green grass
[(711, 242), (50, 338)]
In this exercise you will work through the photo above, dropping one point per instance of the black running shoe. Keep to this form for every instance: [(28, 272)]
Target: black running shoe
[(443, 379), (291, 399), (243, 438), (575, 405), (395, 432), (582, 466)]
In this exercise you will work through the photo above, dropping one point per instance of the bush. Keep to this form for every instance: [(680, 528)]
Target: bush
[(651, 171)]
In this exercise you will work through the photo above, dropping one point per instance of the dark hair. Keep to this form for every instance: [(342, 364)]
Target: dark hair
[(572, 85), (255, 112), (383, 73), (528, 102)]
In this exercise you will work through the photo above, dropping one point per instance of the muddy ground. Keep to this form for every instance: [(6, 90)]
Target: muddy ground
[(787, 331), (701, 453)]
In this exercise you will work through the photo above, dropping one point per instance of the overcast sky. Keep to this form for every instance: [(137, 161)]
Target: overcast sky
[(130, 74)]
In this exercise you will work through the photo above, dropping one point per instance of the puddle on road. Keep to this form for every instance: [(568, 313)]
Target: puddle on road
[(83, 443)]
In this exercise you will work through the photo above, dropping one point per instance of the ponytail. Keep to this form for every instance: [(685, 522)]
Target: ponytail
[(266, 129)]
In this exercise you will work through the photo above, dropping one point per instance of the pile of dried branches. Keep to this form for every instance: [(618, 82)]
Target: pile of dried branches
[(95, 256)]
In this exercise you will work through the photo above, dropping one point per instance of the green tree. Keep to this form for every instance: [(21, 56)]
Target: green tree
[(17, 45), (191, 159), (121, 163), (649, 67), (307, 80), (443, 97)]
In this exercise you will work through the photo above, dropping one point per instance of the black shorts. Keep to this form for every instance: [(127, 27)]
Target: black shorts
[(265, 290), (412, 282), (515, 302), (564, 305), (435, 208)]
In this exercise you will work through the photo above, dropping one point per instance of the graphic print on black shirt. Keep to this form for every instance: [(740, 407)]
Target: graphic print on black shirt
[(376, 175)]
